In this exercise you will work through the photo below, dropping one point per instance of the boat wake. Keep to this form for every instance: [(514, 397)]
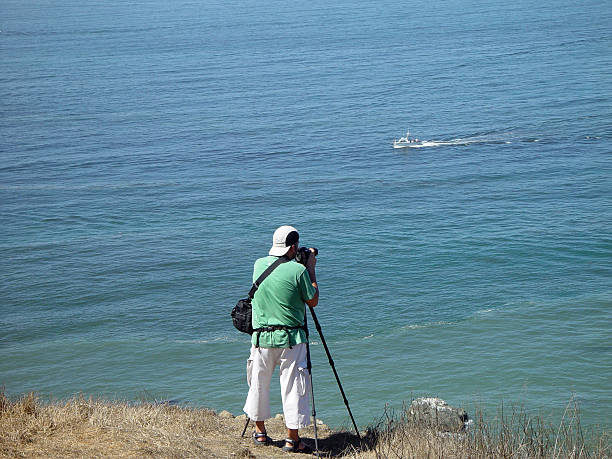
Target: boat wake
[(457, 142), (490, 138)]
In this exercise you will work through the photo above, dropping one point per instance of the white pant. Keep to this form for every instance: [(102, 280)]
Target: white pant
[(294, 382)]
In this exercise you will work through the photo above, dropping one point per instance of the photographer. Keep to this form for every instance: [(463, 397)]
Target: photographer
[(280, 338)]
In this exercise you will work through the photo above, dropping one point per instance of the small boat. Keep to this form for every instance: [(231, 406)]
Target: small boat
[(407, 141)]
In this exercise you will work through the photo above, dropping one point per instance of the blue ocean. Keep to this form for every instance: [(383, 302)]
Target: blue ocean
[(149, 149)]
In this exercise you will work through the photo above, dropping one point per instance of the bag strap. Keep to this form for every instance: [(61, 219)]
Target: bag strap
[(265, 274), (271, 328)]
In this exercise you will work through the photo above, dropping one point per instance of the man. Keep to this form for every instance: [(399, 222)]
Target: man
[(278, 313)]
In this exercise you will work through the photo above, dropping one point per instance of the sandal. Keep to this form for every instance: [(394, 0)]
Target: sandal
[(295, 446), (257, 435)]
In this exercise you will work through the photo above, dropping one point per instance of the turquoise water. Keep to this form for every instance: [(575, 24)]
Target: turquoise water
[(150, 149)]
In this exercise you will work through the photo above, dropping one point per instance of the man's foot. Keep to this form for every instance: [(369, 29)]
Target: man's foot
[(293, 446), (261, 438)]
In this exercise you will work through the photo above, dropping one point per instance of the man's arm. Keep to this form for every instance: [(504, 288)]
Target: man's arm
[(315, 300)]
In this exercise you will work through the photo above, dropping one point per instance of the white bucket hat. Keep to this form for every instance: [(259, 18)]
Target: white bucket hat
[(284, 237)]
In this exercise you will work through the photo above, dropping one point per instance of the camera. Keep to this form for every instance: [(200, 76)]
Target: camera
[(303, 253)]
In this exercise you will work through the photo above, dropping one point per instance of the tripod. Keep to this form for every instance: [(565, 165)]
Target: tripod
[(309, 366)]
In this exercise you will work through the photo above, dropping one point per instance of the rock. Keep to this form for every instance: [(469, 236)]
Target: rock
[(242, 417), (168, 402), (279, 416), (435, 412), (226, 414), (321, 424)]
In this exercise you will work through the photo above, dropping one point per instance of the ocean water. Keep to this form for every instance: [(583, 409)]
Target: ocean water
[(149, 149)]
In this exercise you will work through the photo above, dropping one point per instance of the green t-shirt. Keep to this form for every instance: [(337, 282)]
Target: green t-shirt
[(279, 300)]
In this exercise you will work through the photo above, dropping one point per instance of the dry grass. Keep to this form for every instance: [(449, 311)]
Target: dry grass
[(85, 427), (90, 428), (516, 435)]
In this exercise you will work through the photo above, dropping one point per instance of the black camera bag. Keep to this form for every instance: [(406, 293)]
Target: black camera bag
[(242, 313)]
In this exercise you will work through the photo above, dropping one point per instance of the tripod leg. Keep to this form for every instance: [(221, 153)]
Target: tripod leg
[(245, 426), (331, 363), (314, 410)]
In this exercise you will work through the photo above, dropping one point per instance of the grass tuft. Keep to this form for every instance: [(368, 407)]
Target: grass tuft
[(509, 435)]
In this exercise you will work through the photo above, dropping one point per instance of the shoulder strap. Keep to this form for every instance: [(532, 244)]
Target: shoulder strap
[(265, 274)]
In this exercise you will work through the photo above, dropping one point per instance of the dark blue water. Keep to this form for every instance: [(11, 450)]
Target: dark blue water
[(150, 149)]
